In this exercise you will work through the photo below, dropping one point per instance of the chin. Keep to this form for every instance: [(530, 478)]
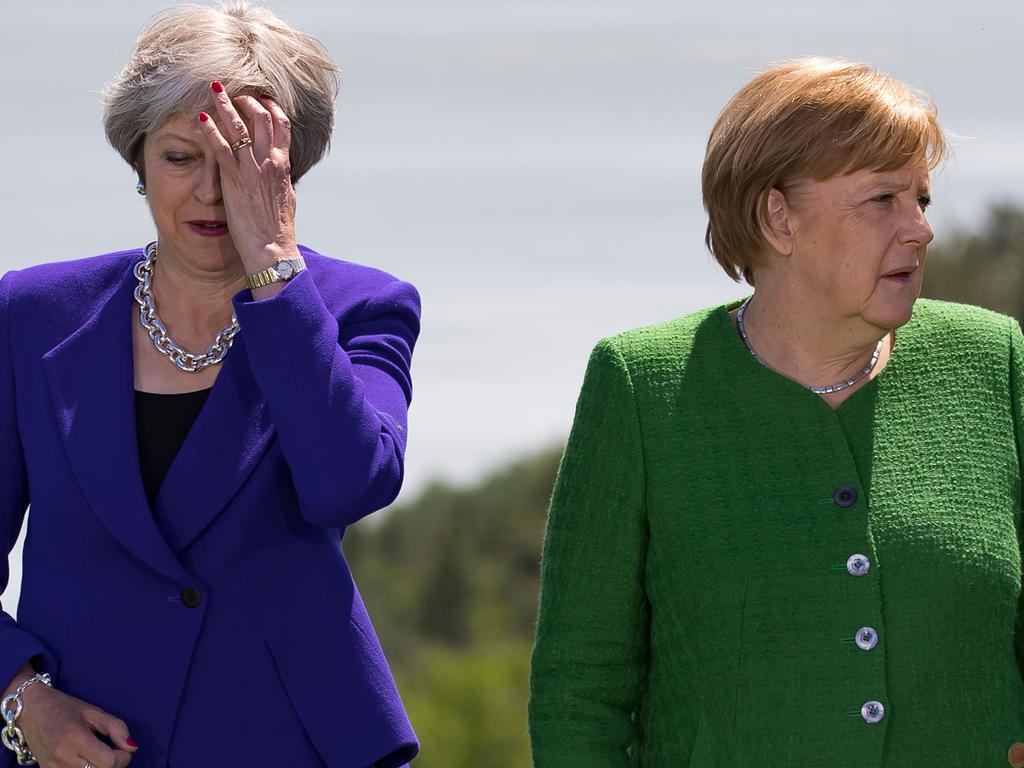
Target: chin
[(213, 252), (892, 316)]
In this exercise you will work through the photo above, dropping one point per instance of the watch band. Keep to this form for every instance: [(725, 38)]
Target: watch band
[(281, 272)]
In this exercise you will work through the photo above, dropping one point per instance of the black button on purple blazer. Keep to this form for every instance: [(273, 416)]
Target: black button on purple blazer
[(222, 624)]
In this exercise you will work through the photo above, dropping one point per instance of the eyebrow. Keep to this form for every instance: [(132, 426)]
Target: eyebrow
[(891, 184)]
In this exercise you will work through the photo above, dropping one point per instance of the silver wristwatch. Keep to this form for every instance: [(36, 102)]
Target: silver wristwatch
[(282, 271)]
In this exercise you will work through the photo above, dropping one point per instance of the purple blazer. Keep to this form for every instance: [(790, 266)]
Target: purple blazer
[(223, 624)]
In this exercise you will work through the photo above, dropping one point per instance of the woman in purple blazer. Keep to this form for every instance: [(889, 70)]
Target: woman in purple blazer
[(185, 600)]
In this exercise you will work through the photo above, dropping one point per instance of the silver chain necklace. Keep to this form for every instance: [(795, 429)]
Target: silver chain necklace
[(186, 361), (816, 390)]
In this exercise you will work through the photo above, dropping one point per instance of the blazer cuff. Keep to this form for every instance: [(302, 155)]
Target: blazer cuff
[(20, 647)]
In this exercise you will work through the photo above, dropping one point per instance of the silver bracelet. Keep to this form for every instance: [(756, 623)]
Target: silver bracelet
[(11, 708)]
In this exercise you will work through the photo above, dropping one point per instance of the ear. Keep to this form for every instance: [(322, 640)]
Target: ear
[(777, 222), (139, 160)]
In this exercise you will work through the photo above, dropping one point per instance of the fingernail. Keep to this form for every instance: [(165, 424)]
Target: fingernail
[(217, 87), (203, 117), (131, 742)]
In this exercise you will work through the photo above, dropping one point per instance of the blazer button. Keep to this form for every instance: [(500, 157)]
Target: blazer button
[(1016, 755), (845, 496), (858, 565), (872, 712), (866, 638), (191, 597)]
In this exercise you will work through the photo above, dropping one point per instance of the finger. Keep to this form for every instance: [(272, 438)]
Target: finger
[(217, 143), (282, 125), (227, 115), (114, 728), (262, 123), (98, 755)]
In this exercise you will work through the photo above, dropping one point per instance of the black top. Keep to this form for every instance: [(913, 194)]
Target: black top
[(161, 423)]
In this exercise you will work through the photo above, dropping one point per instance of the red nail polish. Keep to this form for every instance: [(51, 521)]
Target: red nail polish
[(131, 742), (203, 117), (217, 87)]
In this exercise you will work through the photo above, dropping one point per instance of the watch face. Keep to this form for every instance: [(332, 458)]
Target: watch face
[(284, 269)]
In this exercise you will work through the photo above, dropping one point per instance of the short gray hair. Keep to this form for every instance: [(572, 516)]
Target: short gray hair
[(248, 49)]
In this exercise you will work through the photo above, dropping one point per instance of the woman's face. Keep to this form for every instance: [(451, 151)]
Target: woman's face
[(183, 190), (859, 243)]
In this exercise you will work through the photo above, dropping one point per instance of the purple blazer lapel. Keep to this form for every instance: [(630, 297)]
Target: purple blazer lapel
[(227, 440), (92, 388)]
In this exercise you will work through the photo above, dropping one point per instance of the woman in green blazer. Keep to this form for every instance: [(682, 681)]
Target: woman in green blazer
[(785, 531)]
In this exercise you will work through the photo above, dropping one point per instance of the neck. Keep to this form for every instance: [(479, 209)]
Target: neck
[(809, 344), (193, 303)]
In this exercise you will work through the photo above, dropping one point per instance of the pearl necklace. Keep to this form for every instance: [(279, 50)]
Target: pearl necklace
[(816, 390)]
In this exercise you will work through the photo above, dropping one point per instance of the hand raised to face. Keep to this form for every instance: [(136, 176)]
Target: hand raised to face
[(250, 138)]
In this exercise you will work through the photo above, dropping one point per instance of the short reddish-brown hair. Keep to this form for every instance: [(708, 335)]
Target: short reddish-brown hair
[(805, 119)]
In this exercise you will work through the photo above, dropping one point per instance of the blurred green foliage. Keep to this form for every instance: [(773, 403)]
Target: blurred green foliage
[(451, 579), (451, 582), (983, 267)]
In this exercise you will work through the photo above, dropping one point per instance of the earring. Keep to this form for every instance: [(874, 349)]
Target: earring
[(141, 189)]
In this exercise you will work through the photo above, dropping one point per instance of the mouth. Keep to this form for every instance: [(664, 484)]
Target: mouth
[(207, 228), (901, 276)]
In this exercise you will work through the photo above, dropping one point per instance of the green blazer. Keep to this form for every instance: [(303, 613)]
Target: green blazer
[(735, 574)]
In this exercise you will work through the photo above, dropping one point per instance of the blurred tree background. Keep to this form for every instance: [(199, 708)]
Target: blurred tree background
[(451, 578), (983, 267), (451, 582)]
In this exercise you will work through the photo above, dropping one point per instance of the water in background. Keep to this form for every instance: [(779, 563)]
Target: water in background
[(532, 167)]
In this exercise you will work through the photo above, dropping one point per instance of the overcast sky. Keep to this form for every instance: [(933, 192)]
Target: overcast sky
[(533, 167)]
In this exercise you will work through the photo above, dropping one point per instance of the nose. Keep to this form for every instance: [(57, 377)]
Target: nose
[(917, 231), (207, 190)]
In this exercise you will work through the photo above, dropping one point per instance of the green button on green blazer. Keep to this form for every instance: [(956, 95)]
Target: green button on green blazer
[(735, 574)]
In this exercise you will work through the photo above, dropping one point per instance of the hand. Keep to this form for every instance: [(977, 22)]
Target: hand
[(255, 179), (61, 731)]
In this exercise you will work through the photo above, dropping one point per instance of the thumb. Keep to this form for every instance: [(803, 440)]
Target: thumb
[(114, 728)]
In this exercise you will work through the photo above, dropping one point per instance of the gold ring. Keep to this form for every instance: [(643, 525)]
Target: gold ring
[(245, 141)]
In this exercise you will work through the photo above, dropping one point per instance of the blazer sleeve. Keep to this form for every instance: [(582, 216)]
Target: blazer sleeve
[(1017, 393), (16, 645), (339, 392), (591, 654)]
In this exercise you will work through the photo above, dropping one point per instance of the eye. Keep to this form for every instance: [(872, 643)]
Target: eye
[(924, 201), (885, 198), (176, 158)]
